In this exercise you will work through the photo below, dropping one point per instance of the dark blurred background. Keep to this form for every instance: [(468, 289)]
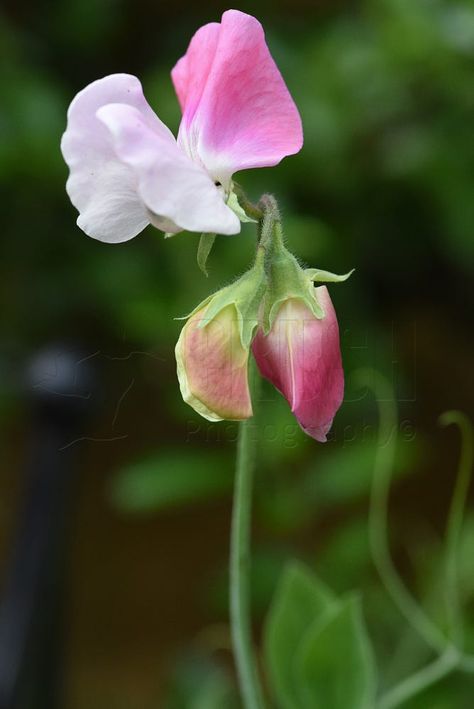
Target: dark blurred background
[(385, 184)]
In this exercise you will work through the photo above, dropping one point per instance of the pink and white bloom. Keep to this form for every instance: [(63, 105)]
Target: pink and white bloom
[(301, 357), (126, 168)]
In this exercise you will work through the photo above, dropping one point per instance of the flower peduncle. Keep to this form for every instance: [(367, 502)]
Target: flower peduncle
[(270, 232)]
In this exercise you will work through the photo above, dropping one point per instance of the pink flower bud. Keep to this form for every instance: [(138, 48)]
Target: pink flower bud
[(212, 365), (301, 357)]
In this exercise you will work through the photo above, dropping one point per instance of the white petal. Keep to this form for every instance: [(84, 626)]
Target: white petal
[(170, 184), (101, 186)]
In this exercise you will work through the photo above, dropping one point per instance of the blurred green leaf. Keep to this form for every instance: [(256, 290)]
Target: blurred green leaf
[(168, 479), (300, 599), (346, 473), (345, 557), (334, 664)]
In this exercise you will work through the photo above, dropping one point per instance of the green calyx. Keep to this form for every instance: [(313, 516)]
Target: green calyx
[(245, 294), (275, 277), (288, 280), (319, 276)]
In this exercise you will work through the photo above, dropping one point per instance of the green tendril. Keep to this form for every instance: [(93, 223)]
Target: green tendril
[(448, 648), (378, 516), (455, 521)]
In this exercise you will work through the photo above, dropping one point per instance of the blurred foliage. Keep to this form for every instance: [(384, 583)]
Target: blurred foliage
[(384, 184), (168, 480), (317, 648), (199, 683)]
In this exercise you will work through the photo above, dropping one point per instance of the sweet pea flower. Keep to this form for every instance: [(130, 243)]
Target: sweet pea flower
[(301, 357), (126, 168)]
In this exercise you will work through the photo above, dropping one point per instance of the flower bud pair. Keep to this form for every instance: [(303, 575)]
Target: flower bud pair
[(296, 345)]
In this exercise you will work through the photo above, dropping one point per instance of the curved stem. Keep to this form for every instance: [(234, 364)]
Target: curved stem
[(450, 657), (378, 516), (454, 524), (421, 680), (245, 660)]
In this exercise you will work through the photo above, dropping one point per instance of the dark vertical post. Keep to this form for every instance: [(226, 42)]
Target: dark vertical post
[(60, 387)]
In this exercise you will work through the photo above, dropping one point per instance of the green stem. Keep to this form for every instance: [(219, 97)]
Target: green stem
[(241, 629), (455, 520), (270, 230), (421, 680)]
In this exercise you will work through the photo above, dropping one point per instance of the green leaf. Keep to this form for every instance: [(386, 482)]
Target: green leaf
[(300, 600), (170, 479), (206, 242), (334, 664)]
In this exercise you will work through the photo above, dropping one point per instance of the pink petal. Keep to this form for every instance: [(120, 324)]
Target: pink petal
[(191, 71), (100, 186), (239, 113), (172, 186), (212, 366), (302, 358)]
